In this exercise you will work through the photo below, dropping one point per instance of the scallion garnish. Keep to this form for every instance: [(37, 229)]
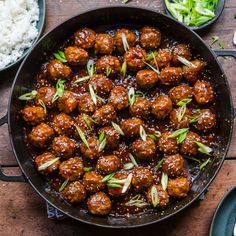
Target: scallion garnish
[(222, 45), (133, 160), (137, 201), (142, 133), (164, 181), (108, 177), (181, 112), (155, 60), (186, 62), (93, 94), (153, 68), (139, 94), (123, 69), (28, 96), (102, 141), (90, 68), (42, 104), (184, 102), (108, 71), (117, 128), (151, 56), (193, 159), (101, 136), (131, 96), (204, 164), (154, 196), (195, 119), (47, 164), (179, 134), (82, 136), (125, 42), (155, 136), (87, 119), (125, 1), (127, 183), (114, 185), (128, 166), (159, 165), (60, 56), (87, 169), (60, 88), (79, 80), (214, 39), (63, 185), (203, 148)]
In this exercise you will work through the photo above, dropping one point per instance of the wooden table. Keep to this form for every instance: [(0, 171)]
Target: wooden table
[(23, 212)]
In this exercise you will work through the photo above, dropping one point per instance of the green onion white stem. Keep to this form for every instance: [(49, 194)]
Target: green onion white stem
[(90, 68), (117, 128), (82, 136), (131, 96), (154, 196), (137, 201), (92, 94), (42, 104), (82, 79), (181, 113), (127, 183), (60, 88), (142, 133), (28, 96), (125, 42), (186, 62), (164, 181), (47, 164), (203, 148), (63, 185), (133, 160), (128, 166)]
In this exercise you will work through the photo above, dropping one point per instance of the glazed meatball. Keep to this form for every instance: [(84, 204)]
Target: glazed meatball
[(99, 204), (112, 137), (67, 103), (86, 104), (180, 92), (108, 164), (183, 51), (63, 124), (144, 150), (92, 182), (76, 56), (150, 37), (63, 146), (171, 75), (135, 58), (191, 73), (57, 70), (203, 92), (188, 146), (46, 94), (163, 196), (146, 78), (141, 107), (71, 169), (110, 62), (142, 178), (85, 38), (178, 188), (179, 118), (93, 151), (104, 44), (206, 120), (33, 115), (105, 115), (167, 145), (119, 98), (173, 165), (130, 37), (44, 158), (85, 123), (163, 58), (74, 192), (131, 126), (101, 84), (161, 107), (41, 135)]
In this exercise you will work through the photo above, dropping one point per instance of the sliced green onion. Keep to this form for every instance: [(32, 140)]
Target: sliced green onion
[(125, 1), (102, 145), (87, 169), (140, 94), (42, 104), (137, 201), (28, 96), (92, 94), (101, 99), (63, 185), (114, 185), (186, 62), (79, 80), (214, 39), (133, 160), (181, 137), (193, 159), (123, 69), (155, 136), (101, 136), (184, 102), (181, 113), (127, 183), (131, 96), (203, 148), (193, 120), (153, 68), (108, 177), (117, 181), (142, 133), (48, 164), (82, 136), (117, 128), (178, 132), (159, 165), (154, 196), (125, 42), (90, 68), (204, 164), (87, 119), (108, 71), (222, 45), (60, 88), (155, 60), (151, 56), (128, 166), (60, 56), (164, 181)]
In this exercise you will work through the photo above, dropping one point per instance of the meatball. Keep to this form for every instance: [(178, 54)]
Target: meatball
[(163, 58), (189, 146), (191, 73), (178, 188), (142, 178), (180, 92), (135, 58), (74, 192), (203, 92), (144, 150), (110, 62), (63, 146), (171, 75), (85, 38), (76, 56), (104, 44), (105, 115), (92, 182), (46, 94), (167, 145), (71, 169), (33, 115), (150, 37), (85, 123), (99, 204), (101, 84), (86, 104), (183, 51), (163, 196), (146, 78), (67, 103), (179, 118), (41, 135), (63, 124), (108, 164), (130, 37), (44, 158), (161, 107), (173, 165), (93, 151), (57, 70), (112, 137), (131, 126), (119, 98), (141, 107)]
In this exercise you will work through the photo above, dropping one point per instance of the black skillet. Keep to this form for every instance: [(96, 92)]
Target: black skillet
[(101, 19)]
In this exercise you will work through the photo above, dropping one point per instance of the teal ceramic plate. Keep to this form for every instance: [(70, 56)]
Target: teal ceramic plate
[(40, 25), (224, 218)]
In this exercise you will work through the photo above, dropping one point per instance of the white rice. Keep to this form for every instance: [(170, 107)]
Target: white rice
[(18, 30)]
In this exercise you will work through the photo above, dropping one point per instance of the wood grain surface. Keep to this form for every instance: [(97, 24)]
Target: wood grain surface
[(23, 212)]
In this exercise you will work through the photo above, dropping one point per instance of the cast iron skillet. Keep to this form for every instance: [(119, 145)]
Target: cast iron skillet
[(100, 19)]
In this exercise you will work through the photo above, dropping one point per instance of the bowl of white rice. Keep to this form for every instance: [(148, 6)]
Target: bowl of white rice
[(21, 24)]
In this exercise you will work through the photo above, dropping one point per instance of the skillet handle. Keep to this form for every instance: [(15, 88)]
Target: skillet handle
[(9, 178)]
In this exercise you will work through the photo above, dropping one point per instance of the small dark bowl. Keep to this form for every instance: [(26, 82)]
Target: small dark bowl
[(218, 11)]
